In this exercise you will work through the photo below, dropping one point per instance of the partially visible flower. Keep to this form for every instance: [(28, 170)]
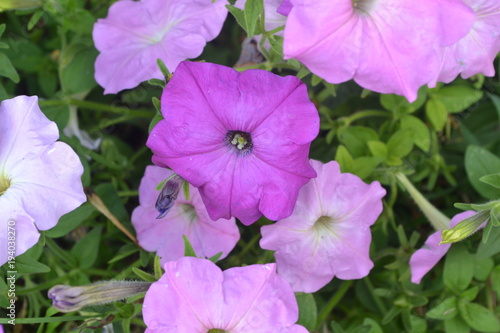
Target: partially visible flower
[(68, 299), (423, 260), (73, 129), (39, 177), (194, 295), (186, 217), (242, 139), (328, 233), (388, 46), (136, 33), (474, 53)]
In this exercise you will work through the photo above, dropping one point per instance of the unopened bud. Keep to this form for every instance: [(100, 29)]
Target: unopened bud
[(465, 228), (66, 298), (168, 195), (19, 4)]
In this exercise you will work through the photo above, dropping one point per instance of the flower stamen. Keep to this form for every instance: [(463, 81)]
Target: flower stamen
[(4, 184), (241, 140)]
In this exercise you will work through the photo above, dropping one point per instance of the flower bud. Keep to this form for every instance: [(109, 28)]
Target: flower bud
[(19, 4), (465, 228), (168, 194), (66, 298)]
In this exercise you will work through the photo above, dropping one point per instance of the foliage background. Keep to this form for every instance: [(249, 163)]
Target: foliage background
[(444, 142)]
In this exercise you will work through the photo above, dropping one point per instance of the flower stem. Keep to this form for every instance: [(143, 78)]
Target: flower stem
[(438, 220), (99, 107), (334, 300), (367, 113)]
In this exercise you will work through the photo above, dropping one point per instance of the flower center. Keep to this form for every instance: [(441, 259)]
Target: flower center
[(188, 212), (323, 226), (362, 6), (242, 141), (4, 184), (216, 330)]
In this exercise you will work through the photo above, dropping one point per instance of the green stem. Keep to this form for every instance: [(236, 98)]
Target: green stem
[(438, 220), (367, 113), (141, 113), (332, 302), (42, 320), (128, 193)]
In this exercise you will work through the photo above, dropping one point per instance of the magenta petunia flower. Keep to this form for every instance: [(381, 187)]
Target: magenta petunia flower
[(242, 139), (186, 217), (136, 33), (39, 177), (194, 295), (474, 53), (423, 260), (388, 46), (328, 233)]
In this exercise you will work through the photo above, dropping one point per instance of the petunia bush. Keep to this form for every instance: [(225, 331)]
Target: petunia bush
[(249, 166)]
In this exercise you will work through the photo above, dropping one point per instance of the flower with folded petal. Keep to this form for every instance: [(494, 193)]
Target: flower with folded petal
[(39, 177), (242, 139), (137, 33), (474, 53), (388, 46), (194, 295), (328, 233), (423, 260), (186, 217)]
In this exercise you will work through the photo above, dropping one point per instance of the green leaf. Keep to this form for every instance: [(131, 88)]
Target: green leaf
[(418, 131), (77, 68), (108, 194), (400, 143), (215, 257), (86, 249), (458, 268), (483, 268), (456, 325), (457, 98), (493, 180), (469, 295), (378, 149), (239, 15), (344, 158), (364, 166), (188, 248), (27, 265), (496, 102), (143, 275), (400, 104), (34, 19), (374, 327), (355, 138), (435, 111), (479, 318), (495, 280), (79, 20), (308, 312), (252, 11), (157, 82), (480, 162), (495, 216), (157, 267), (444, 310), (491, 247), (2, 29), (70, 221), (7, 70), (417, 324)]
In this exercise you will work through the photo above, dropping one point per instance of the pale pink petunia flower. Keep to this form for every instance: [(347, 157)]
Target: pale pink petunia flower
[(194, 295), (137, 33), (388, 46), (40, 179), (241, 138), (328, 235), (186, 217), (474, 53), (424, 259)]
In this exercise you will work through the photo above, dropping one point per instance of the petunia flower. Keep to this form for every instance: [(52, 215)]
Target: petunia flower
[(39, 177), (186, 217), (474, 53), (194, 295), (423, 260), (388, 46), (328, 233), (137, 33), (241, 139)]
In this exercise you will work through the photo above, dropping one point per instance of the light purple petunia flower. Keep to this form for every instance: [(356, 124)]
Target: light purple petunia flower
[(242, 139), (388, 46), (186, 217), (328, 233), (474, 53), (39, 177), (194, 295), (136, 33), (423, 260)]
